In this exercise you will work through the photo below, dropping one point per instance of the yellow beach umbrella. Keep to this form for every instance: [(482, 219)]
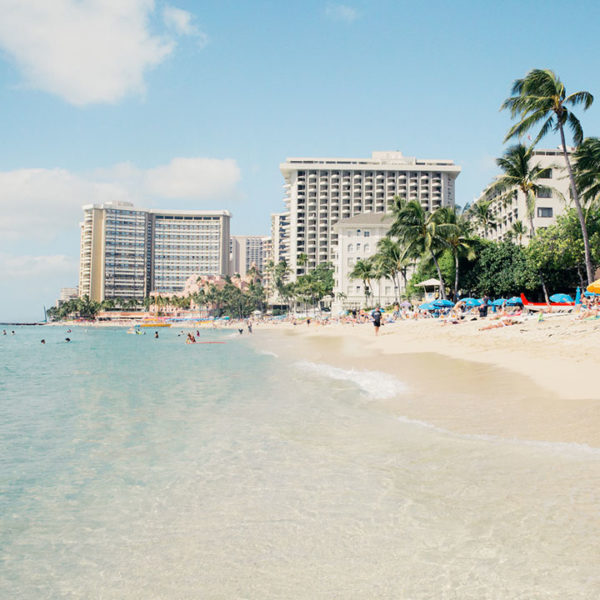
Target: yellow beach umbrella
[(594, 287)]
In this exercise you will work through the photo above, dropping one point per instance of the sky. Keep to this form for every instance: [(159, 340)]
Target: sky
[(193, 104)]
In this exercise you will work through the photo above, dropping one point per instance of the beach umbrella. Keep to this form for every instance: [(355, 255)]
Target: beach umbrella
[(405, 303), (590, 294), (514, 301), (498, 302), (470, 302), (442, 303), (427, 306), (594, 287), (561, 299)]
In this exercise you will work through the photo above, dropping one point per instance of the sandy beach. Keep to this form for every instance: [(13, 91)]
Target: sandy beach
[(536, 380)]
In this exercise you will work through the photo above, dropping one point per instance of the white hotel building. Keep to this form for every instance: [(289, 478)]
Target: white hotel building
[(248, 250), (549, 204), (128, 252), (322, 191)]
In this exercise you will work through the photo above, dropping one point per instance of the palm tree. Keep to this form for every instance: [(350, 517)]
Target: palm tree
[(482, 213), (587, 170), (422, 233), (364, 270), (458, 238), (519, 176), (518, 230), (541, 97), (391, 256)]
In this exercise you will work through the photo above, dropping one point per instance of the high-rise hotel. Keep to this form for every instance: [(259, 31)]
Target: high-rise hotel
[(128, 252), (322, 191)]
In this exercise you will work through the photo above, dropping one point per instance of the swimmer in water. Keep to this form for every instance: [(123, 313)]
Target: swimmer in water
[(43, 341), (156, 335), (67, 340)]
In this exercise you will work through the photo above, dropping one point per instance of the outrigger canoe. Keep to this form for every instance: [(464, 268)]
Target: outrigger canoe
[(552, 306)]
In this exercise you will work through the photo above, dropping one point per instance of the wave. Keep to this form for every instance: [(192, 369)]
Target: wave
[(268, 353), (375, 384), (495, 439)]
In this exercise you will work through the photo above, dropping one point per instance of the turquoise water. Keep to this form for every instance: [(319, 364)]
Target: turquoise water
[(139, 468)]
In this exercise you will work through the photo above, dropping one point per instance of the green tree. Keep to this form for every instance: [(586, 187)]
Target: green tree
[(422, 233), (519, 176), (587, 170), (458, 239), (483, 215), (517, 231), (365, 271), (540, 98)]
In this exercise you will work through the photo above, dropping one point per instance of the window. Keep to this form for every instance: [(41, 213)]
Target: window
[(367, 233), (350, 248), (544, 212), (544, 193), (546, 174), (350, 262), (367, 248), (358, 247)]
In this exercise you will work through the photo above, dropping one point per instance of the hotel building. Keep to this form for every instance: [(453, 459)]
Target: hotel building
[(321, 191), (357, 240), (128, 252), (549, 204), (280, 231), (248, 250)]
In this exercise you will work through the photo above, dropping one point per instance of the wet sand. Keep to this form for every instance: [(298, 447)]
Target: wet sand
[(533, 381)]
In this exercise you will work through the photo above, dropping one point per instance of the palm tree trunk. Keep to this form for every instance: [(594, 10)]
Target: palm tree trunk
[(437, 266), (532, 227), (456, 267), (584, 232)]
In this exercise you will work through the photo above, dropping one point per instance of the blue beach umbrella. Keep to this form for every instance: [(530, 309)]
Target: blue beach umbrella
[(442, 303), (470, 302), (498, 302), (514, 301), (427, 306), (561, 298), (590, 294)]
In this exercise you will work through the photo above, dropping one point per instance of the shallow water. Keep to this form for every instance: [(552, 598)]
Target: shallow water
[(141, 468)]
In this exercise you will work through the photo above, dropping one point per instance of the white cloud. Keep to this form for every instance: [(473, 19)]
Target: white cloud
[(37, 267), (87, 51), (180, 21), (41, 203), (193, 178), (341, 12), (29, 282)]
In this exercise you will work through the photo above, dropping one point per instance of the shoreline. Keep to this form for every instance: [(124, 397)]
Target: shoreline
[(532, 381)]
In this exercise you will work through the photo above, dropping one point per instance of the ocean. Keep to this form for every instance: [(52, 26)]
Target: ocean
[(134, 467)]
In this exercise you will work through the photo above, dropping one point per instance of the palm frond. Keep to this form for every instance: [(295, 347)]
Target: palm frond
[(577, 98)]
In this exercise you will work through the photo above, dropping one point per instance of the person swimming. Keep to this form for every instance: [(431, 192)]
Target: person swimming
[(67, 340), (43, 341)]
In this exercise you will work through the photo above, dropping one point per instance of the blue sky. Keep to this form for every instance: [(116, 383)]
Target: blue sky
[(189, 104)]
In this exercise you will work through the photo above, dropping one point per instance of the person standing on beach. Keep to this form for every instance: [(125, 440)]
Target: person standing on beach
[(376, 314), (249, 326)]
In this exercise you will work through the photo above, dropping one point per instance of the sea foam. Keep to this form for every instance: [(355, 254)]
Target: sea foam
[(375, 384)]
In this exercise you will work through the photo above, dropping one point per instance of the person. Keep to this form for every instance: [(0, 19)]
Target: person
[(156, 335), (376, 314), (307, 321), (43, 341), (67, 340), (483, 309), (4, 332), (241, 331), (197, 333), (249, 326)]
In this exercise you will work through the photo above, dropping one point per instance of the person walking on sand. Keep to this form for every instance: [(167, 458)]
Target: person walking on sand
[(376, 314)]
